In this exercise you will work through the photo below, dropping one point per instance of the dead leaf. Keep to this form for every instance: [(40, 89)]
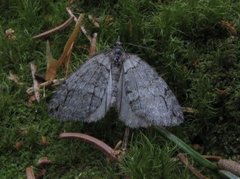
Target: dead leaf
[(229, 165), (109, 19), (18, 145), (41, 173), (93, 46), (229, 26), (43, 140), (23, 131), (15, 78), (64, 59), (29, 173), (44, 161), (52, 64), (222, 92), (10, 34), (31, 99), (66, 55)]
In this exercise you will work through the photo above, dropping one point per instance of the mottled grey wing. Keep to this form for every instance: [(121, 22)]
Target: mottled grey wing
[(86, 94), (145, 99)]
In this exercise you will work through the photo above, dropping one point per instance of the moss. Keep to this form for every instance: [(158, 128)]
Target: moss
[(184, 40)]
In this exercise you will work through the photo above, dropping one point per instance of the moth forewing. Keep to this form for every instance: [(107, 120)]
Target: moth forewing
[(85, 94), (124, 109), (148, 99)]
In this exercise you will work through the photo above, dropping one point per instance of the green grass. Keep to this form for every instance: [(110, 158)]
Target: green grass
[(183, 40)]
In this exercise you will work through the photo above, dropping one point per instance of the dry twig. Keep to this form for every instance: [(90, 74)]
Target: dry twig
[(44, 161), (93, 45), (85, 33), (54, 30), (182, 157), (106, 149), (35, 82), (212, 157), (29, 173), (82, 27), (71, 14), (94, 21), (189, 110), (15, 78), (45, 84)]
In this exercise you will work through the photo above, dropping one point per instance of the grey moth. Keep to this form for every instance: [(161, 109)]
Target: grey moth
[(120, 80)]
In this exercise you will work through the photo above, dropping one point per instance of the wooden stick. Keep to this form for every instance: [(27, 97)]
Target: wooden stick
[(45, 84), (212, 157), (93, 45), (85, 33), (54, 30), (35, 82), (189, 110), (71, 14), (82, 27), (125, 139), (29, 173), (93, 20), (106, 149), (182, 157)]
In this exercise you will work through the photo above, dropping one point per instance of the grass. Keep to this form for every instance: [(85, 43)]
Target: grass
[(185, 41)]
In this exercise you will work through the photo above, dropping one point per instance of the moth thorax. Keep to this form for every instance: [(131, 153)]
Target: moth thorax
[(115, 81), (117, 53)]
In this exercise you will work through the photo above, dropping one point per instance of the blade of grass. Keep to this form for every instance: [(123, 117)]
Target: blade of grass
[(195, 155), (186, 148)]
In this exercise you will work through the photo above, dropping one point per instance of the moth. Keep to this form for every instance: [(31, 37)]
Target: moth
[(120, 80)]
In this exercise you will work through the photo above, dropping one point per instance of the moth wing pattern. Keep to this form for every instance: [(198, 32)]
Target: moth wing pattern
[(145, 99), (86, 94)]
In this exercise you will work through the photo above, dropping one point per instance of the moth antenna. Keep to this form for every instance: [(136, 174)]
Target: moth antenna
[(118, 39), (139, 46), (142, 47), (118, 42)]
